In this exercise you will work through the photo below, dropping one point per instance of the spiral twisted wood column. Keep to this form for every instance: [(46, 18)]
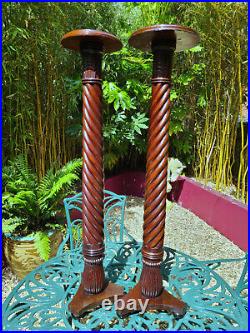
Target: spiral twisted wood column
[(94, 287), (162, 41), (156, 187), (92, 182)]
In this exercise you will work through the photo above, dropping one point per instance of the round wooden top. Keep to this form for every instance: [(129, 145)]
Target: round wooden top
[(185, 37), (72, 39)]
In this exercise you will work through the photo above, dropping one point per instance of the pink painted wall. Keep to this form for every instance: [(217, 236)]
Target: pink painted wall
[(128, 183), (224, 214)]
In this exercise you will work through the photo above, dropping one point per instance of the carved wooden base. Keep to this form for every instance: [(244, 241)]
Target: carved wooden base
[(164, 301), (83, 302)]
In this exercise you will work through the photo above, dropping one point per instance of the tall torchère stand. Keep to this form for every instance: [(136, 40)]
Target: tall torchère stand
[(162, 41), (93, 288)]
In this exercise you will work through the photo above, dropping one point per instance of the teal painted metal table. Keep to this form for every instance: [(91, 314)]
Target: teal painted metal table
[(40, 301)]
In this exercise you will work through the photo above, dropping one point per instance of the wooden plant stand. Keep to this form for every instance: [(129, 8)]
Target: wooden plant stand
[(162, 41), (94, 287)]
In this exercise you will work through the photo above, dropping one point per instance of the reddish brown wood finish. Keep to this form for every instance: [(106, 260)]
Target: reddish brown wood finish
[(163, 41), (84, 301), (73, 39), (183, 37), (92, 290), (164, 302)]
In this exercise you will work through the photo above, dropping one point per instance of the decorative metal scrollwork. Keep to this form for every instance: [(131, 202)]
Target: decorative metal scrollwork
[(40, 301)]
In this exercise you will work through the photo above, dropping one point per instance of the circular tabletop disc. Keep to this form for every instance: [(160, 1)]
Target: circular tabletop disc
[(72, 39), (185, 37)]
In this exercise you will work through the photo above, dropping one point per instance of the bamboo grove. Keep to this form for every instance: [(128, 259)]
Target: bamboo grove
[(209, 132), (225, 80), (36, 107)]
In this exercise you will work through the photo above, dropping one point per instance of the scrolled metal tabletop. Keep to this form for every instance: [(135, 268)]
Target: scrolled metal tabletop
[(40, 301)]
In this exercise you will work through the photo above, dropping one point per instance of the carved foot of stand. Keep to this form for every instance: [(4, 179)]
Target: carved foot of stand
[(163, 302), (83, 302)]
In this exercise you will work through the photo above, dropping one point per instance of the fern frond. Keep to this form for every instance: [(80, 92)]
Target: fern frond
[(61, 185), (46, 183), (73, 166), (5, 174), (17, 185), (51, 179), (18, 175), (23, 168), (26, 195), (13, 201), (24, 201), (11, 224), (42, 244), (63, 182)]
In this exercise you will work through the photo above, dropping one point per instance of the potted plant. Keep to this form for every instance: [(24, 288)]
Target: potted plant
[(30, 209)]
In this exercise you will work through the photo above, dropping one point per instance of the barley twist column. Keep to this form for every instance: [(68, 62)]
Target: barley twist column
[(162, 41), (94, 287), (156, 175), (92, 172)]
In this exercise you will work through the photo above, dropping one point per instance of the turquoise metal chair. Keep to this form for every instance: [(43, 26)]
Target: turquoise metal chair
[(114, 229)]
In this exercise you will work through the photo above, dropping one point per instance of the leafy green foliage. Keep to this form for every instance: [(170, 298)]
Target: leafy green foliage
[(36, 103), (127, 100), (125, 119), (55, 185), (30, 205), (11, 224), (42, 244), (117, 97), (139, 122)]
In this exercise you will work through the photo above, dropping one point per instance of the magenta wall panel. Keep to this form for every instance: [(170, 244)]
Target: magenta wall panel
[(128, 183), (228, 216)]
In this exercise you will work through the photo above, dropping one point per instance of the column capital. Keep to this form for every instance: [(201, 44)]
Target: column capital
[(172, 36), (76, 39)]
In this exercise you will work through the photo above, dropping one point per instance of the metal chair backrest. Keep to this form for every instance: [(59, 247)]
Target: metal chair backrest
[(114, 229)]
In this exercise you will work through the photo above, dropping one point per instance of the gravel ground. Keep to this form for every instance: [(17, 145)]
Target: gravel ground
[(184, 232)]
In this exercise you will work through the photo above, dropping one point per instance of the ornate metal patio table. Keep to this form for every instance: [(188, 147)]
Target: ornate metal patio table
[(40, 301)]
